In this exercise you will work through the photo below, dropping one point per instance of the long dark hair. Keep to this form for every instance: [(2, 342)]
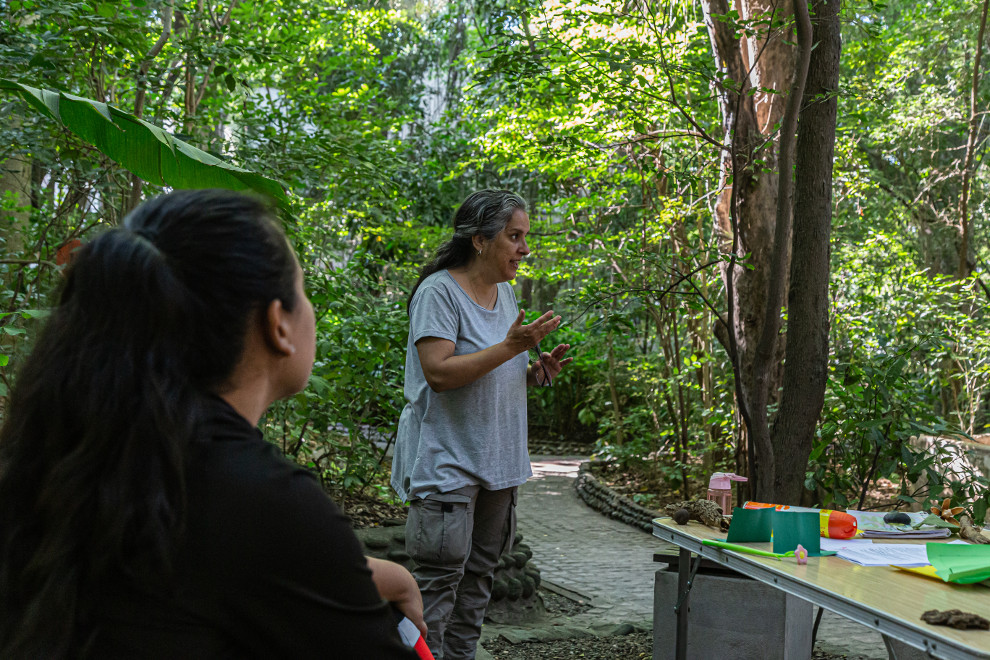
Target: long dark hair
[(484, 213), (151, 317)]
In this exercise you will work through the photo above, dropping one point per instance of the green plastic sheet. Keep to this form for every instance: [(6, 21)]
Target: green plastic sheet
[(963, 564)]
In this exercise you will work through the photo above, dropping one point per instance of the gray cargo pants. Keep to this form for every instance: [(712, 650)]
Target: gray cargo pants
[(456, 539)]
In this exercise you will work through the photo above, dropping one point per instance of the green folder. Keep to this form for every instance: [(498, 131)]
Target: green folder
[(786, 529), (750, 526), (791, 528), (963, 564)]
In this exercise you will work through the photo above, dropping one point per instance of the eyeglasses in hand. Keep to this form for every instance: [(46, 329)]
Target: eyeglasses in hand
[(546, 374)]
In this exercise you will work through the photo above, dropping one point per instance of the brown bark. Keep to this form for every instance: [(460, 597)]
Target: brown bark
[(766, 362), (806, 358), (752, 219), (744, 210)]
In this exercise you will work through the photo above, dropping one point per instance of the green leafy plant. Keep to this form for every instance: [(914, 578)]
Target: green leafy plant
[(141, 147)]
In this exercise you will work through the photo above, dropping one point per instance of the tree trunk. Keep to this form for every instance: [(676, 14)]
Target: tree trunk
[(15, 180), (806, 360), (613, 391), (746, 210), (767, 360)]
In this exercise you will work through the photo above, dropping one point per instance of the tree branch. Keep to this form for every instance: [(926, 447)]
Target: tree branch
[(150, 56), (142, 88), (963, 269), (29, 262), (785, 193)]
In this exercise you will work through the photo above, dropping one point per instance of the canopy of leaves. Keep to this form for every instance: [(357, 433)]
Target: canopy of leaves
[(370, 122)]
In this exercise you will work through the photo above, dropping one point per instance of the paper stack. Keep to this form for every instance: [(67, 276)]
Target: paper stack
[(886, 554)]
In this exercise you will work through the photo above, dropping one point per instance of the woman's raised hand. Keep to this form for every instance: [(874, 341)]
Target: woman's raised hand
[(553, 362), (522, 337)]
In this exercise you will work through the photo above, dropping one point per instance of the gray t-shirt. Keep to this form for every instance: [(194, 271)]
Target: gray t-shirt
[(471, 435)]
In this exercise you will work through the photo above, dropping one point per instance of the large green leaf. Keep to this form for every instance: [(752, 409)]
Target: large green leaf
[(146, 150)]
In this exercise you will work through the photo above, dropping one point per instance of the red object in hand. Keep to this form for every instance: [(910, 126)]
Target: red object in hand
[(412, 638)]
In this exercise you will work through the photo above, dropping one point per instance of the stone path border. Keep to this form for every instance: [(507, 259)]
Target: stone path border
[(603, 499)]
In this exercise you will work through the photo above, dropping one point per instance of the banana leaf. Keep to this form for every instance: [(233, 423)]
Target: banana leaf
[(144, 149)]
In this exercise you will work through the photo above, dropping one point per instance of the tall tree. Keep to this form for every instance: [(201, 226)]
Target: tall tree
[(752, 70), (761, 98), (806, 353)]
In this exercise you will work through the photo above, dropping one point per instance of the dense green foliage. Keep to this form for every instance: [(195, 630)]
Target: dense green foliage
[(378, 119)]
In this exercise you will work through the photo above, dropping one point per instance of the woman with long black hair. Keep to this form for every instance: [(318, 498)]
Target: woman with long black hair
[(141, 512)]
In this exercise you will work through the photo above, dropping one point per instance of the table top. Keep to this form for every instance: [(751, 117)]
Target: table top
[(884, 598)]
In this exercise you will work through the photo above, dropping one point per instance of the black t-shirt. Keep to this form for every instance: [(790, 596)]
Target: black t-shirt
[(268, 567)]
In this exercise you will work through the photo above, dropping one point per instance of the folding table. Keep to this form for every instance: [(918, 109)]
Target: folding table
[(888, 600)]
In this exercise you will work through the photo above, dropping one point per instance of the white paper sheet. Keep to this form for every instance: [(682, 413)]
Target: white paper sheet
[(887, 554), (839, 544)]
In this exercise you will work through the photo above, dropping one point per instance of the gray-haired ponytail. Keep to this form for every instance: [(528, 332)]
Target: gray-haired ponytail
[(484, 213)]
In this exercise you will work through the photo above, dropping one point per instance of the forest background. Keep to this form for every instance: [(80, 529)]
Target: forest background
[(814, 330)]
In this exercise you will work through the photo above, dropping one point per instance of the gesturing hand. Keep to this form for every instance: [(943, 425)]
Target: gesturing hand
[(524, 337), (550, 365)]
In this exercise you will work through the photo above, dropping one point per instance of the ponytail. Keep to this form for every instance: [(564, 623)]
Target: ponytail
[(91, 454)]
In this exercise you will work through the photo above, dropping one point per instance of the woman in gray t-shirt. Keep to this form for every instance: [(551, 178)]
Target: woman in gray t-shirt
[(461, 449)]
